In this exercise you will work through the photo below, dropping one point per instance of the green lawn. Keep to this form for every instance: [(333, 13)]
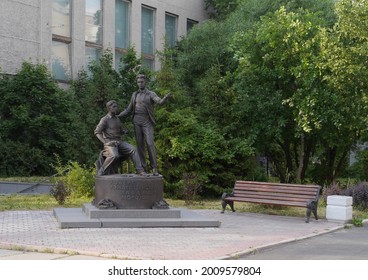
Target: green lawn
[(47, 202)]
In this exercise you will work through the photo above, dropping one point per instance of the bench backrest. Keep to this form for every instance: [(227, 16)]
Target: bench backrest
[(276, 193)]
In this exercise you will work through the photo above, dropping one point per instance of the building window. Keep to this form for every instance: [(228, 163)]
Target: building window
[(190, 24), (94, 21), (93, 35), (92, 54), (61, 39), (170, 30), (60, 60), (122, 29), (147, 36), (61, 17)]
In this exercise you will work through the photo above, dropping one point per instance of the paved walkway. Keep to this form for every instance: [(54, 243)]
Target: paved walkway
[(349, 243), (22, 233)]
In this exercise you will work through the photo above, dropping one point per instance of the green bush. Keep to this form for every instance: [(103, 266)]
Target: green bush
[(77, 179), (358, 222), (35, 121)]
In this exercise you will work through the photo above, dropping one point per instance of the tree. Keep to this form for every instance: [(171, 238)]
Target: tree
[(35, 121), (92, 92), (340, 111), (275, 58), (198, 131), (209, 127), (305, 84), (220, 8)]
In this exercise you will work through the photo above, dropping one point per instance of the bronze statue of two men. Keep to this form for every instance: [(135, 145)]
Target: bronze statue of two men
[(110, 131)]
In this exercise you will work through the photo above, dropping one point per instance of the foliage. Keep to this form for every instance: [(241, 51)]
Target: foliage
[(297, 93), (195, 131), (331, 190), (192, 187), (129, 68), (220, 8), (359, 169), (359, 193), (75, 179), (276, 78), (357, 222), (92, 92), (340, 109), (207, 74), (60, 192), (269, 77), (34, 115)]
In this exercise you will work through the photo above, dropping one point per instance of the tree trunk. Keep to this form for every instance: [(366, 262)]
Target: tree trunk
[(338, 167), (301, 160)]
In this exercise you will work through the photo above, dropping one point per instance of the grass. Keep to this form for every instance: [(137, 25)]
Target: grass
[(36, 202), (248, 207), (358, 214), (47, 202)]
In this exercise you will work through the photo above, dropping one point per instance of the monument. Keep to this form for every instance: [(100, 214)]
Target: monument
[(125, 200), (128, 191)]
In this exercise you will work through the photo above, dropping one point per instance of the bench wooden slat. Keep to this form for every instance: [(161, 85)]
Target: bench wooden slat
[(274, 194), (300, 193), (275, 188), (270, 201), (251, 183)]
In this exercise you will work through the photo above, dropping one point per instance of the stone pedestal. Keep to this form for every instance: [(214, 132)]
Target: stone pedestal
[(91, 217), (339, 208), (129, 201), (128, 191)]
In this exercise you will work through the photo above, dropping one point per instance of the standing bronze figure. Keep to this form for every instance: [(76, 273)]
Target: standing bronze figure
[(141, 107)]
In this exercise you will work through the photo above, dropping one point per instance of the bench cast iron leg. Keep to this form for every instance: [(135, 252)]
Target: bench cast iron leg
[(311, 207), (224, 203)]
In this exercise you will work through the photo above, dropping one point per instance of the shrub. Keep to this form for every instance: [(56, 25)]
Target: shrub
[(357, 222), (60, 192), (35, 119), (192, 187), (77, 179), (80, 180), (359, 193), (331, 190)]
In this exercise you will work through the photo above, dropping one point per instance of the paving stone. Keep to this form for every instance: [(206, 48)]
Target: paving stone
[(238, 233)]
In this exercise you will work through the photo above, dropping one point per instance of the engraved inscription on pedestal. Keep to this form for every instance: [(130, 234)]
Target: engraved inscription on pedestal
[(129, 191)]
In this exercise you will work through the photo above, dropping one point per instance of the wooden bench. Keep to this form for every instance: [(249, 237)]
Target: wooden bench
[(274, 194)]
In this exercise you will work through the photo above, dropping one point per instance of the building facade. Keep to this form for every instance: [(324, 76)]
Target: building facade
[(66, 35)]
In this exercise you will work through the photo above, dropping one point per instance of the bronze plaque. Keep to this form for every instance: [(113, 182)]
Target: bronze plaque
[(129, 191)]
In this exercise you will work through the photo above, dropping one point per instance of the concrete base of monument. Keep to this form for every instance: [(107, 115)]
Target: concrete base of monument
[(128, 191), (90, 216), (129, 201)]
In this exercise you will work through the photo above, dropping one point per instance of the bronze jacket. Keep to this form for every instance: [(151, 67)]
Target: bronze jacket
[(150, 98)]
